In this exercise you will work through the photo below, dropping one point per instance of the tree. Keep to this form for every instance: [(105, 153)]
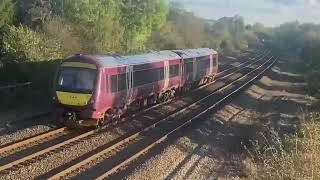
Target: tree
[(23, 44), (33, 13), (7, 12), (168, 37), (97, 22), (139, 18)]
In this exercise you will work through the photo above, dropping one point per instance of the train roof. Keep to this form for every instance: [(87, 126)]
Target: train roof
[(115, 61), (190, 53)]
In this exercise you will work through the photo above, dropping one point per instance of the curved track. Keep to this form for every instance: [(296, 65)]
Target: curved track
[(226, 72), (122, 143), (140, 142)]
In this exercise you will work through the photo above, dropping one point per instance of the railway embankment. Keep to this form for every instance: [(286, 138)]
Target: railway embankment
[(244, 139)]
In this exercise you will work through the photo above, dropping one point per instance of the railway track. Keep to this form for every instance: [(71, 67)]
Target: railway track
[(109, 160), (20, 144), (12, 147), (87, 134)]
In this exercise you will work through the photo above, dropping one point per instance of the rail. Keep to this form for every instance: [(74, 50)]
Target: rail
[(18, 85), (166, 135), (132, 138), (78, 138)]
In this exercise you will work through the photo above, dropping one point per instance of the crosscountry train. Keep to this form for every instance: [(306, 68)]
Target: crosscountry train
[(94, 90)]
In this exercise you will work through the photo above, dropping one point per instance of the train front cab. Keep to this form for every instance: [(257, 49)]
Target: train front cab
[(76, 90)]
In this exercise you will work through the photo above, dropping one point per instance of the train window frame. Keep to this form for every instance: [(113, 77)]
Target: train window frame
[(115, 83), (140, 77), (215, 61), (76, 90), (174, 70), (203, 64), (186, 67)]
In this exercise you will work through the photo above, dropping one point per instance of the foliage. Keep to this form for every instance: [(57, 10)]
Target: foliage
[(301, 41), (65, 33), (6, 12), (112, 25), (185, 30), (290, 157), (33, 13), (139, 18), (21, 43), (313, 81)]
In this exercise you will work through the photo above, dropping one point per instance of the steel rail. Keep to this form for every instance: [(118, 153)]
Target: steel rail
[(16, 85), (47, 150), (258, 58), (132, 137), (263, 53), (34, 139), (164, 137), (62, 144)]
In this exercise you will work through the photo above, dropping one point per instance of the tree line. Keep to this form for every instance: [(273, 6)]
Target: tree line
[(43, 30), (38, 30)]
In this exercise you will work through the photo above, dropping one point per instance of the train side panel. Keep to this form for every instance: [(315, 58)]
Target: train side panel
[(131, 84)]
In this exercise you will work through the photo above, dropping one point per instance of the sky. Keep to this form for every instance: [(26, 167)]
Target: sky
[(267, 12)]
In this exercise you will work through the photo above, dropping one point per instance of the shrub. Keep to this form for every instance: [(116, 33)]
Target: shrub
[(23, 44), (289, 157), (65, 32), (6, 12), (313, 81)]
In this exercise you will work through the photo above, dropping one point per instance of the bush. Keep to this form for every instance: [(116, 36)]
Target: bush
[(23, 44), (65, 32), (290, 157), (6, 12), (313, 82)]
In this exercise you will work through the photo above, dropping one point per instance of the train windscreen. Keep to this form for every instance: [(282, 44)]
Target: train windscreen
[(79, 80)]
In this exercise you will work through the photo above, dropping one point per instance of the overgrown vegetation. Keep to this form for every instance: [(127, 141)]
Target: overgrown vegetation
[(300, 44), (294, 156)]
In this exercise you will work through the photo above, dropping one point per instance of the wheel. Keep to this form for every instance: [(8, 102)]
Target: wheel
[(100, 124)]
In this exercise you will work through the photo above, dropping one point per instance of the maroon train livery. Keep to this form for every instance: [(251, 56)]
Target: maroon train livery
[(93, 90)]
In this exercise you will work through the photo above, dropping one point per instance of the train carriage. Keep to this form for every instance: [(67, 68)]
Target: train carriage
[(92, 90), (199, 66)]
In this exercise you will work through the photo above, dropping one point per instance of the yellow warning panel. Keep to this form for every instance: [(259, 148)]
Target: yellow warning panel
[(73, 99)]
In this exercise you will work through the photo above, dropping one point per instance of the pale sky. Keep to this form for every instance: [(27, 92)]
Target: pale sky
[(268, 12)]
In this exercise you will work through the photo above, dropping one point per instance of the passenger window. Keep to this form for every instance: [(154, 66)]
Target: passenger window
[(147, 76), (161, 72), (122, 82), (214, 62), (174, 70), (203, 64), (118, 82), (114, 83), (188, 67)]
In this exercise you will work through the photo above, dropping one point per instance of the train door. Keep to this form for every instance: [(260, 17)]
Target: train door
[(188, 66), (195, 70), (211, 64), (129, 73), (166, 75)]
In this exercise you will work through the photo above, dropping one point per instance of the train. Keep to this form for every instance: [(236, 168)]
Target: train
[(93, 90)]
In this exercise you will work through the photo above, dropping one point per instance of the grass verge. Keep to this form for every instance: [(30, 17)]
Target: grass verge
[(295, 156)]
